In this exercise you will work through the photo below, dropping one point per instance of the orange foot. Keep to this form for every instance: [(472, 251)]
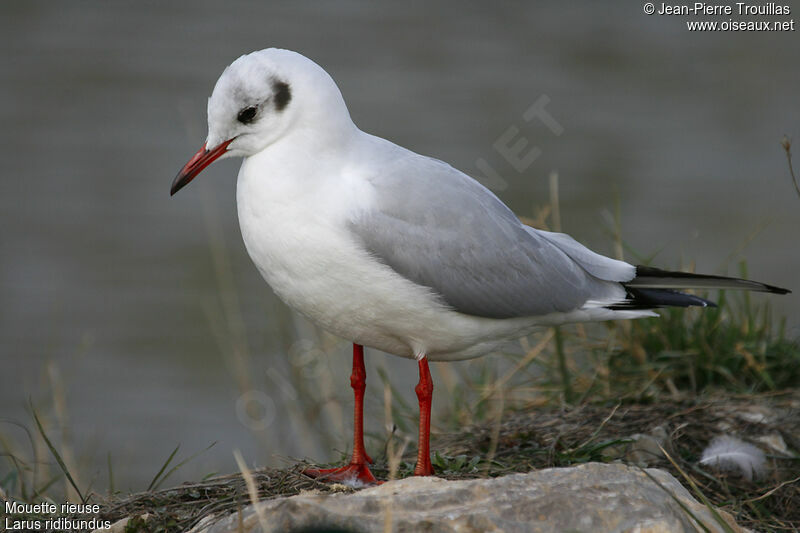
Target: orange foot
[(354, 473)]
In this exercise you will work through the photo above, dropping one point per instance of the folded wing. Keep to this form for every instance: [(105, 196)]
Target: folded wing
[(441, 229)]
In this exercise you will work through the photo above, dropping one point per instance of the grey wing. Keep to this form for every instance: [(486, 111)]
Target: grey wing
[(440, 228)]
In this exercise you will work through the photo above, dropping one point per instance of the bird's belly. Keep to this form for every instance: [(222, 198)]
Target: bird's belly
[(334, 286)]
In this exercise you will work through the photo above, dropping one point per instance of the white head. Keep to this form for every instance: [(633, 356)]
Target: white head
[(262, 98)]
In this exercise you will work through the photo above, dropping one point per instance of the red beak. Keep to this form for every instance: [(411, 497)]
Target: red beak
[(196, 164)]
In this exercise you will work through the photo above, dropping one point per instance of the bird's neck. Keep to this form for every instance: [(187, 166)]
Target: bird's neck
[(302, 157)]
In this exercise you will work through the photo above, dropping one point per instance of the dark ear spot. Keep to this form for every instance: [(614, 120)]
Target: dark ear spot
[(283, 94)]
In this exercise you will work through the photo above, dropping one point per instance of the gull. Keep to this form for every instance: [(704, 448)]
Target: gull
[(394, 250)]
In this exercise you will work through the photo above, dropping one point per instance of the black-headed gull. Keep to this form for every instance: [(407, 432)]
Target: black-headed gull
[(394, 250)]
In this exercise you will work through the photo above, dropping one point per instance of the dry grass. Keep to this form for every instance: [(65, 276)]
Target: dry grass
[(180, 508)]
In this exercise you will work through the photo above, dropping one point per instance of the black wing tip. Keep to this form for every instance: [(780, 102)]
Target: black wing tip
[(647, 271), (642, 299), (772, 289)]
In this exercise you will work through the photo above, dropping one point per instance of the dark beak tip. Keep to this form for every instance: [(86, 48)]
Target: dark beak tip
[(176, 185), (196, 164)]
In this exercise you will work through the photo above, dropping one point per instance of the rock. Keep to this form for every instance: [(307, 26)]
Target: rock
[(642, 450), (594, 497), (646, 449)]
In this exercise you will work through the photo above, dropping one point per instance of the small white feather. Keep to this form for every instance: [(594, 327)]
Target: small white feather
[(729, 453)]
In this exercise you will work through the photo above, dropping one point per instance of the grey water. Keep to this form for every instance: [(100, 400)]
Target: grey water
[(142, 314)]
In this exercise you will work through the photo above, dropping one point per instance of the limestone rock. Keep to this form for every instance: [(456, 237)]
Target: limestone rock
[(594, 497)]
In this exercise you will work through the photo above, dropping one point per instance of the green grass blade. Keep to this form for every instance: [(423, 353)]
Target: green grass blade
[(41, 490), (721, 521), (177, 466), (163, 467), (566, 381), (55, 453), (675, 499)]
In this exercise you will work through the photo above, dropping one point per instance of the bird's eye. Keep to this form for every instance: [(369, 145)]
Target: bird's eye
[(247, 115)]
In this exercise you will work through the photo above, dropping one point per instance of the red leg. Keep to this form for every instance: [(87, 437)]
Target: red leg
[(424, 390), (358, 380), (357, 469)]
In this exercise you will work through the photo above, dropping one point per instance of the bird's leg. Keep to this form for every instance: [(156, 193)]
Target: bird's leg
[(357, 469), (358, 380), (424, 390)]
